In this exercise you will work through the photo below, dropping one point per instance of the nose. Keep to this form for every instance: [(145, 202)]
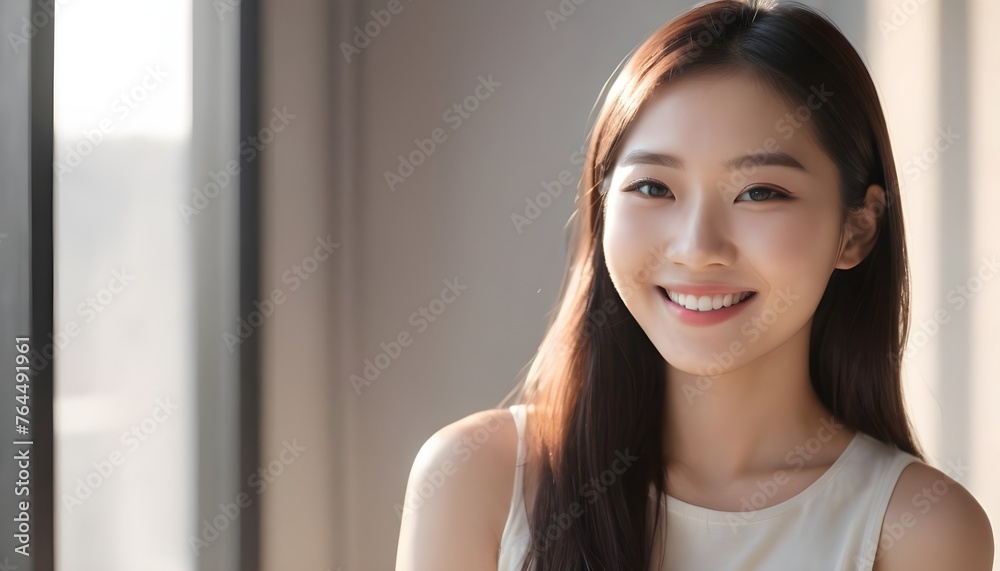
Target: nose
[(700, 235)]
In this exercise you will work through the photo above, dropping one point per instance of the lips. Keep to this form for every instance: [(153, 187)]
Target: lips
[(705, 303)]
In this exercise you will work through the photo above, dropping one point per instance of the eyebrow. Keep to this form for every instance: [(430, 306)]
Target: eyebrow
[(757, 159)]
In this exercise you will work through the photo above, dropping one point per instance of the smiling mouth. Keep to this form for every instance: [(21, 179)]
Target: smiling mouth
[(706, 302)]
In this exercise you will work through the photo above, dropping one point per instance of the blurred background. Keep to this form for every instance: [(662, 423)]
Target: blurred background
[(259, 209)]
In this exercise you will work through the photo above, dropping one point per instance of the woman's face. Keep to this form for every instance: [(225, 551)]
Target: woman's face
[(687, 212)]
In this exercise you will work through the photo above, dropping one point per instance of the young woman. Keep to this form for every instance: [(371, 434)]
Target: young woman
[(719, 387)]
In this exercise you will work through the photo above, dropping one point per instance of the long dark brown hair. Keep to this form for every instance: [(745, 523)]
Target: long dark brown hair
[(596, 384)]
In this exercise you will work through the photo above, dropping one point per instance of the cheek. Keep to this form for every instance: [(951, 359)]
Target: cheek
[(790, 245), (629, 246)]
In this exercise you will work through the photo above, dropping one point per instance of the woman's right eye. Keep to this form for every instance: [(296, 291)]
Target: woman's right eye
[(648, 187)]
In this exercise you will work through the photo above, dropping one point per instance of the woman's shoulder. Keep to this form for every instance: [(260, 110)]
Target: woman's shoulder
[(462, 480), (933, 522)]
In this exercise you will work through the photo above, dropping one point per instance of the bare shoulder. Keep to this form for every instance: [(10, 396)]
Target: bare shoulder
[(933, 522), (458, 495), (477, 455)]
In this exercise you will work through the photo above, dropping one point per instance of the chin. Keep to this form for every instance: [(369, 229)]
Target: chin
[(707, 357)]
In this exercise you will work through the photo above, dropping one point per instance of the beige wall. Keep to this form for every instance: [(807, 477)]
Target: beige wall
[(333, 507), (299, 391)]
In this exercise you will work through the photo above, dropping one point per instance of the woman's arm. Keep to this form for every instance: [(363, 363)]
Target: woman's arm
[(458, 496), (933, 523)]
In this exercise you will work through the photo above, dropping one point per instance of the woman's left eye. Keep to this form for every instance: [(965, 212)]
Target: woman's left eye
[(760, 194), (648, 188)]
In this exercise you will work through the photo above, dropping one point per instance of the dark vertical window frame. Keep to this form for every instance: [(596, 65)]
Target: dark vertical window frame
[(42, 269), (26, 272), (249, 276)]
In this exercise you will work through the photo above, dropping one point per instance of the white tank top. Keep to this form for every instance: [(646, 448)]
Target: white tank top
[(834, 524)]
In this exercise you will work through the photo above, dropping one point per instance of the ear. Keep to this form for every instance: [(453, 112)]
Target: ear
[(861, 229)]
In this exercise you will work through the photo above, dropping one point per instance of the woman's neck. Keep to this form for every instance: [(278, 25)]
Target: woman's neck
[(749, 418)]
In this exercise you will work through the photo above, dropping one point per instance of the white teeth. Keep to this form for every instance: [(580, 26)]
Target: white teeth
[(705, 302)]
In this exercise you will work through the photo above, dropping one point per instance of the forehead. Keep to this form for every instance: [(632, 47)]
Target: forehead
[(709, 118)]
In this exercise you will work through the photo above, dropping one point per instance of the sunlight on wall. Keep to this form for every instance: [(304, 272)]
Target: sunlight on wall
[(905, 67), (984, 148), (936, 70)]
